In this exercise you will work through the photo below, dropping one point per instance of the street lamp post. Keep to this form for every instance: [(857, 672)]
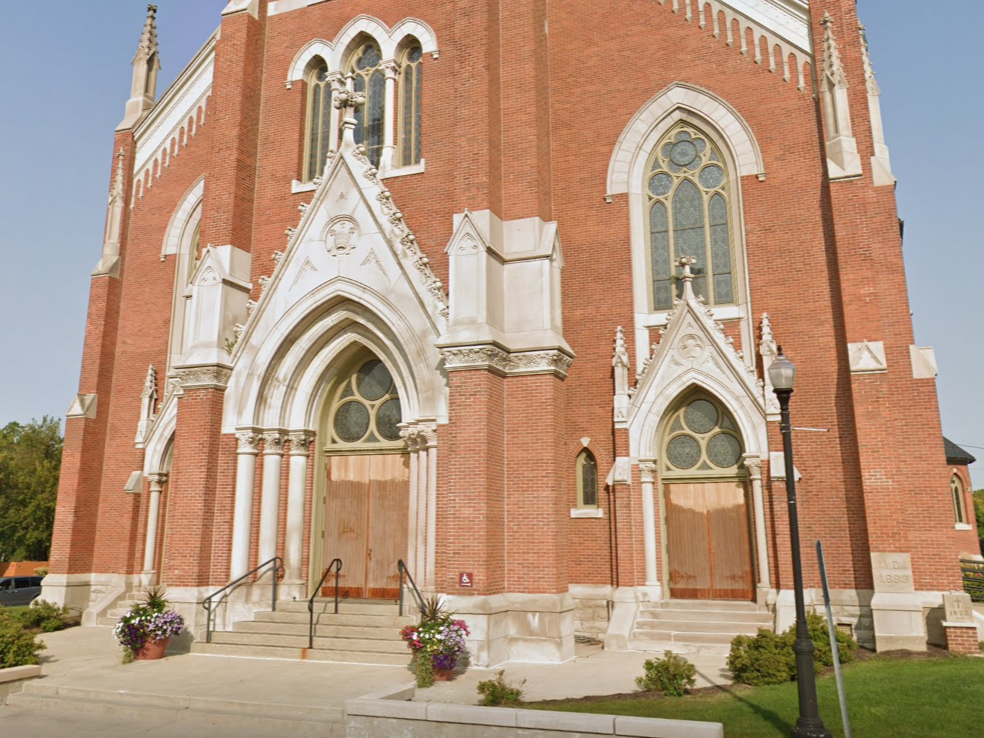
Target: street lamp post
[(809, 724)]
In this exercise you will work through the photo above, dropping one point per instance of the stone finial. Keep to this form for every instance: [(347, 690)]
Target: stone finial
[(869, 71), (685, 262), (146, 64), (833, 68), (148, 39), (768, 344), (347, 102), (621, 357), (118, 180)]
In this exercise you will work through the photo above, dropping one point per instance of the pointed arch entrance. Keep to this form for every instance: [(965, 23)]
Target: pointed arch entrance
[(707, 523), (367, 479)]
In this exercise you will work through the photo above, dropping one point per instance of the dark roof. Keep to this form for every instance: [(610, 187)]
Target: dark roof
[(956, 456)]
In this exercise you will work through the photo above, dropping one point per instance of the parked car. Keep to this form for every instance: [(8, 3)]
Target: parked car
[(16, 591)]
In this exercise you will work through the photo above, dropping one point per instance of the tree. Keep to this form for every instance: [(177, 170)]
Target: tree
[(30, 460), (979, 513)]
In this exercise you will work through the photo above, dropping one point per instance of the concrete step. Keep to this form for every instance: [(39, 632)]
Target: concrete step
[(728, 605), (282, 652), (697, 626), (348, 607), (366, 645), (683, 649), (692, 637), (274, 717), (329, 618), (708, 616), (320, 630)]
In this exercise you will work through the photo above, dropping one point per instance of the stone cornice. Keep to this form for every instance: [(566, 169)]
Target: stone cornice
[(203, 377), (494, 358)]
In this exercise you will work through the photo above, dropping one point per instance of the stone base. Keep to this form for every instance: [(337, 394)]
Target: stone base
[(517, 627), (851, 607), (961, 638), (91, 594), (592, 608), (899, 621), (628, 601)]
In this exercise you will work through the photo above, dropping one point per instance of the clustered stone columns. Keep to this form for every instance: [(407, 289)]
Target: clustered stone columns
[(300, 444), (157, 482), (390, 69), (273, 454), (421, 442), (754, 466), (337, 82), (648, 471), (243, 513)]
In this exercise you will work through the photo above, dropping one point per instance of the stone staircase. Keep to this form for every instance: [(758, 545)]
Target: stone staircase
[(363, 632), (696, 626), (112, 616)]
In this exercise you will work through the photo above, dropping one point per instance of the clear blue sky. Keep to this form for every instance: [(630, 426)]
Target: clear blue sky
[(65, 76)]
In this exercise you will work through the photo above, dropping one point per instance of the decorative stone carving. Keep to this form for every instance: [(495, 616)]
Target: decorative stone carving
[(300, 442), (273, 443), (83, 406), (148, 406), (769, 351), (754, 466), (867, 357), (341, 236), (419, 437), (248, 442), (648, 471), (881, 162), (620, 367), (492, 357), (843, 160), (203, 377), (348, 101)]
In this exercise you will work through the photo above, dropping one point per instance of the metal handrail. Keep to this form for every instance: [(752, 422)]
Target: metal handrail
[(207, 602), (404, 572), (315, 595)]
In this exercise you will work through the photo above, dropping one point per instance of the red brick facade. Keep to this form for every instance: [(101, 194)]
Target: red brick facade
[(523, 107)]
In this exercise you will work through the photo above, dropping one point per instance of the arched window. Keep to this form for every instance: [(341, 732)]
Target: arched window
[(587, 480), (957, 492), (370, 119), (702, 439), (318, 121), (411, 86), (366, 409), (689, 215)]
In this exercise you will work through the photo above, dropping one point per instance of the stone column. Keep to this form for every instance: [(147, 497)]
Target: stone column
[(648, 469), (300, 443), (754, 466), (243, 514), (157, 482), (390, 69), (273, 456), (430, 434), (337, 82), (410, 435)]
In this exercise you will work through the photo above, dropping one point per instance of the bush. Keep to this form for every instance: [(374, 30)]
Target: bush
[(768, 658), (18, 647), (498, 691), (44, 616), (672, 675)]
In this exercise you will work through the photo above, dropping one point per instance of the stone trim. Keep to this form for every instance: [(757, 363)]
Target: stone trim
[(204, 377), (493, 358)]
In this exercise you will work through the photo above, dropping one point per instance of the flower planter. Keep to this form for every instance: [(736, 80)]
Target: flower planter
[(443, 675), (152, 650)]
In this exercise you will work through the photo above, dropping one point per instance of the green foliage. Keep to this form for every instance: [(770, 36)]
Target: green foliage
[(498, 691), (18, 647), (433, 609), (979, 513), (423, 669), (768, 658), (672, 675), (44, 616), (155, 599), (30, 459)]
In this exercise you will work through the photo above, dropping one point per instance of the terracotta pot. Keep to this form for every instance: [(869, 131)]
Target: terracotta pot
[(443, 675), (153, 650)]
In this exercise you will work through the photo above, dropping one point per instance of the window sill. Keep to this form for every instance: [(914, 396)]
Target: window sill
[(728, 312), (587, 512), (963, 526), (297, 187), (405, 171)]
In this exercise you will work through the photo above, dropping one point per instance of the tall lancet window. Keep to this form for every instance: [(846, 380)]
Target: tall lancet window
[(370, 119), (689, 215), (319, 121), (411, 87)]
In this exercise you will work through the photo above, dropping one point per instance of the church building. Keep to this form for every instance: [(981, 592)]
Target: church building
[(480, 300)]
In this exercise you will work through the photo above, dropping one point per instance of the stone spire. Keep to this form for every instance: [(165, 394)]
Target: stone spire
[(146, 64), (833, 67)]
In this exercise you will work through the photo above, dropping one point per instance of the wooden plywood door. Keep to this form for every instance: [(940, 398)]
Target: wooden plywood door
[(708, 546), (366, 522)]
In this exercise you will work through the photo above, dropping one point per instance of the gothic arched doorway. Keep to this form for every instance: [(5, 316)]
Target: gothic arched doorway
[(367, 481), (708, 548)]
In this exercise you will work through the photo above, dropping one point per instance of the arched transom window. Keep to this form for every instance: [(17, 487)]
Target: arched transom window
[(957, 493), (701, 439), (689, 215), (319, 121), (370, 119), (411, 89), (366, 409)]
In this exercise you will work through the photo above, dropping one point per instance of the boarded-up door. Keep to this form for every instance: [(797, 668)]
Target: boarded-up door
[(366, 522), (708, 546)]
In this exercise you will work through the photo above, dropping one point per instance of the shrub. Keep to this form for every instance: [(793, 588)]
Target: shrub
[(41, 571), (498, 691), (768, 658), (44, 616), (18, 647), (672, 675)]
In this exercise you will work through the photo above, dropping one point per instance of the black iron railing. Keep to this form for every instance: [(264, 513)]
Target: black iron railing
[(335, 566), (973, 578), (405, 577), (278, 566)]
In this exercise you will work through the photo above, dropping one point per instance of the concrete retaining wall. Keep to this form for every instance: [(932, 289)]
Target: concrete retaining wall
[(12, 680)]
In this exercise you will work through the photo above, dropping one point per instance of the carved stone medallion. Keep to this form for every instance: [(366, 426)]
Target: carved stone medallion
[(341, 236), (691, 347)]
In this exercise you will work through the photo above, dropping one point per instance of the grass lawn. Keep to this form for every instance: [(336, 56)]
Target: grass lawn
[(887, 698)]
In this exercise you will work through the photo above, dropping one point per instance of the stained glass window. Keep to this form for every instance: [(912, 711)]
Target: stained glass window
[(411, 92), (689, 216), (587, 480), (319, 122), (701, 437), (370, 119), (367, 407), (957, 491)]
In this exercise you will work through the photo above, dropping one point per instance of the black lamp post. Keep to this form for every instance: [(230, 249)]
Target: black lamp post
[(782, 373)]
